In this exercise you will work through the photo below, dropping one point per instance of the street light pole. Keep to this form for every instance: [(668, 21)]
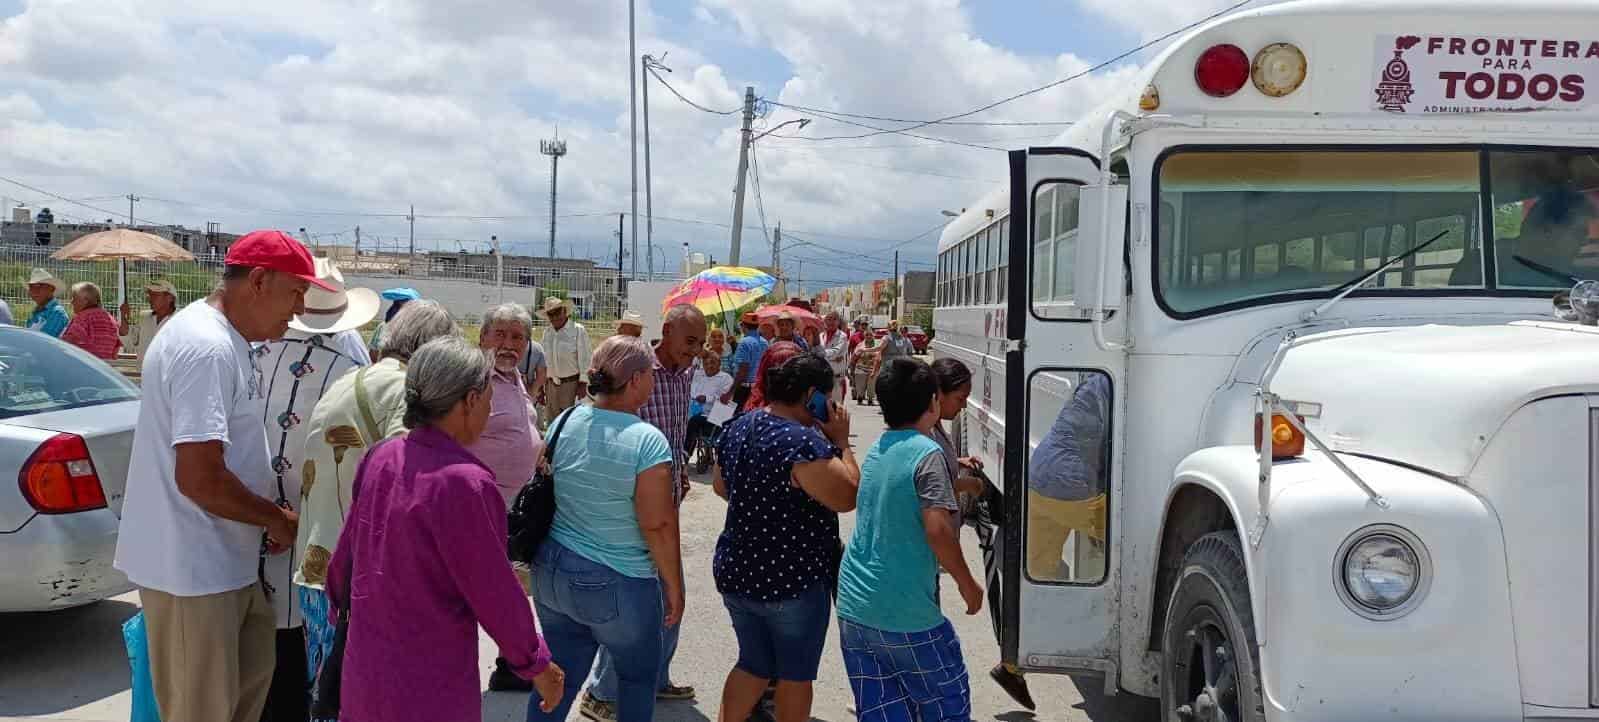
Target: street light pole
[(632, 103)]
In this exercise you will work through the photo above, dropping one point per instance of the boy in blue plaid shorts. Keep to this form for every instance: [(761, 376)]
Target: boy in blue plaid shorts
[(902, 655)]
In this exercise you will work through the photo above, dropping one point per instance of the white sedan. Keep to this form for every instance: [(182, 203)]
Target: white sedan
[(66, 432)]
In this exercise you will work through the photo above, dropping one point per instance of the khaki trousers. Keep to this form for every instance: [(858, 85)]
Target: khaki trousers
[(211, 656), (559, 397), (1050, 522)]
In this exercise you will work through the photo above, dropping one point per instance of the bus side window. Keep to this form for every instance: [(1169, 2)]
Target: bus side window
[(1068, 476)]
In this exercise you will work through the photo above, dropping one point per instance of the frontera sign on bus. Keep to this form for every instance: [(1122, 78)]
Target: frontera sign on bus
[(1455, 74)]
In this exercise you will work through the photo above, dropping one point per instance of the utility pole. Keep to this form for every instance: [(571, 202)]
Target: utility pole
[(131, 199), (777, 260), (632, 103), (799, 280), (897, 290), (412, 218), (554, 149), (357, 241), (619, 246), (743, 170), (499, 267)]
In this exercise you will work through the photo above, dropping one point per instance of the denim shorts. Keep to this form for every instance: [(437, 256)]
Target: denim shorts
[(781, 640)]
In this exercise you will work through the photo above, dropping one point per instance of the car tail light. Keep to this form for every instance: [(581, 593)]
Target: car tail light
[(60, 478), (1222, 70), (1286, 440)]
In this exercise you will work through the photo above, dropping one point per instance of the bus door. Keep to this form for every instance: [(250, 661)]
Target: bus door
[(1064, 375)]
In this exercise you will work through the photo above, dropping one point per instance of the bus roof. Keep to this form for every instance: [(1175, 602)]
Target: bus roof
[(1378, 63)]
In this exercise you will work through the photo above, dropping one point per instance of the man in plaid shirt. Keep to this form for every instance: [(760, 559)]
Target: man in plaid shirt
[(682, 339)]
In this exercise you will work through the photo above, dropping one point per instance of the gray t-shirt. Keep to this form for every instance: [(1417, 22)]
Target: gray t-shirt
[(934, 486), (5, 314), (533, 362)]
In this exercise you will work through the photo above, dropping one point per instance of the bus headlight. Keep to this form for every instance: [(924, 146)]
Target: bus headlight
[(1383, 572)]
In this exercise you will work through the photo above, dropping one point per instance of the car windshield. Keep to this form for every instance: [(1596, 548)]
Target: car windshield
[(914, 329), (1244, 227), (39, 373)]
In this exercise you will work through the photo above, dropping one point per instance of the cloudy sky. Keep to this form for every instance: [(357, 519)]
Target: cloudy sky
[(333, 114)]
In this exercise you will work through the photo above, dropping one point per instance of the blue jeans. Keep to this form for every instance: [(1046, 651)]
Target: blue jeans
[(583, 604), (602, 682)]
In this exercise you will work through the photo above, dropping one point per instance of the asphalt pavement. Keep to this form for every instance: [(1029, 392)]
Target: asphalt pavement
[(71, 665)]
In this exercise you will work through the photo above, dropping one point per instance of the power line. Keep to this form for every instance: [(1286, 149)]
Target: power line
[(878, 130), (65, 199), (909, 171), (1033, 91), (881, 146), (683, 98), (760, 204), (1025, 123)]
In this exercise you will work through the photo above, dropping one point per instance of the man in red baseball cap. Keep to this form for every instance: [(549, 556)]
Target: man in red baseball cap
[(200, 490)]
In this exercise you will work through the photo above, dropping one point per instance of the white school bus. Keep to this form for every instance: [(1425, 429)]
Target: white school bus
[(1267, 368)]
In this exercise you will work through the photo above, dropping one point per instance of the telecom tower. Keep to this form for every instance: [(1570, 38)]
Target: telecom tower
[(554, 149)]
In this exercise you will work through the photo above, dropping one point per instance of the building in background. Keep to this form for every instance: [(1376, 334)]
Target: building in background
[(26, 228)]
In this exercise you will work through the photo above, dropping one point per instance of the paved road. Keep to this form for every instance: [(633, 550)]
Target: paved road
[(71, 665)]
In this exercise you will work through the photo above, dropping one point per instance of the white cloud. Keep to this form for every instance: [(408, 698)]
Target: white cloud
[(19, 106), (232, 108)]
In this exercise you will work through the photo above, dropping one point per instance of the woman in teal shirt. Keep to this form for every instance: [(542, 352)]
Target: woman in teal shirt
[(612, 562)]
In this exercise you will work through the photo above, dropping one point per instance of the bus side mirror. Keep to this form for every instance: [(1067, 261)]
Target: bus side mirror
[(1100, 280)]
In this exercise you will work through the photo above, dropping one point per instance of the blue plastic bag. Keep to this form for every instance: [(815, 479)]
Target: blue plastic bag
[(144, 708)]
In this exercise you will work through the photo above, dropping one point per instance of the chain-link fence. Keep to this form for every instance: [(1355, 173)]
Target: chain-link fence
[(465, 284)]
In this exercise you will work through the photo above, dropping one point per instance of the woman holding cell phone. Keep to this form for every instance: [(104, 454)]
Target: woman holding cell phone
[(786, 471)]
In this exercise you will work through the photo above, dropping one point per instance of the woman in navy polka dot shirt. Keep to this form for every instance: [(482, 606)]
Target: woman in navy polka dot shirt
[(787, 471)]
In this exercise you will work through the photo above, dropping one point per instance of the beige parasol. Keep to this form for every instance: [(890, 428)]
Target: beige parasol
[(122, 244)]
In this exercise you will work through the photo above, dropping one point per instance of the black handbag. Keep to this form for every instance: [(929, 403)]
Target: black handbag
[(533, 510)]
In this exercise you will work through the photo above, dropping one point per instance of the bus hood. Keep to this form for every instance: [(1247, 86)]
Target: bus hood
[(1433, 396)]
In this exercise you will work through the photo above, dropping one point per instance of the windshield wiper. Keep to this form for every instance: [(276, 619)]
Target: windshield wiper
[(1352, 286), (1546, 270)]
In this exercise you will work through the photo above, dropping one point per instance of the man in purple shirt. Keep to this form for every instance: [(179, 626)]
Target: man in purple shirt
[(510, 444), (682, 339)]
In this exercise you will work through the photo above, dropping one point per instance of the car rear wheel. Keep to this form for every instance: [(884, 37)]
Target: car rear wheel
[(1210, 662)]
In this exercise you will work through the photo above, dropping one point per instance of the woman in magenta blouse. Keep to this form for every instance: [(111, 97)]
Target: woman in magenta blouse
[(421, 562)]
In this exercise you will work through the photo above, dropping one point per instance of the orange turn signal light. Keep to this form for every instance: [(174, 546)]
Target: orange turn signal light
[(1286, 441)]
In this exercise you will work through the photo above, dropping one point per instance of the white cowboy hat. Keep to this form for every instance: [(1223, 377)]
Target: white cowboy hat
[(40, 275), (631, 318), (552, 303), (334, 311)]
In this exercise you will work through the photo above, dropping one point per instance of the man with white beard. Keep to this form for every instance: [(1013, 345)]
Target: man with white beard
[(510, 445)]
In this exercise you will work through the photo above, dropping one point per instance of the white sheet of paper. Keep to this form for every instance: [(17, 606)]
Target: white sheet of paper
[(720, 413)]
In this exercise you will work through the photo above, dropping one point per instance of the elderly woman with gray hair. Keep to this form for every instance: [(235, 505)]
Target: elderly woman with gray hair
[(92, 328), (610, 573), (409, 571), (358, 410)]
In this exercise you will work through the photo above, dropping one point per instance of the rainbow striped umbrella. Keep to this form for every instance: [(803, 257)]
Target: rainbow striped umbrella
[(721, 289)]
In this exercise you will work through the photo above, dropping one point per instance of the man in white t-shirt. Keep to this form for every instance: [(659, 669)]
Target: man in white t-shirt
[(835, 347), (199, 488)]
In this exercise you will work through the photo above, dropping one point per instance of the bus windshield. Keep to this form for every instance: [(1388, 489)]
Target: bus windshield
[(1252, 226)]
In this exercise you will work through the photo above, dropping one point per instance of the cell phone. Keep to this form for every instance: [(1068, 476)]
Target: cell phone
[(818, 407)]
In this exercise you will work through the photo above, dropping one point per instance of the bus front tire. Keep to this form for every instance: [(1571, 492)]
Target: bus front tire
[(1209, 660)]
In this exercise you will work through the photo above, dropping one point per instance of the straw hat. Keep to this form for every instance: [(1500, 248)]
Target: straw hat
[(40, 275), (162, 286), (338, 310), (631, 318), (552, 303)]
